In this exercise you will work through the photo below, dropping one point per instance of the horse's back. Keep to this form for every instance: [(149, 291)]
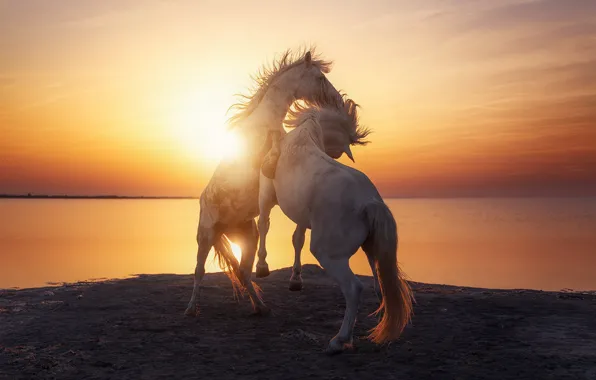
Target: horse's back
[(339, 224), (350, 185)]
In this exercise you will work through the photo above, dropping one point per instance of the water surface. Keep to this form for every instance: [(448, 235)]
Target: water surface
[(534, 243)]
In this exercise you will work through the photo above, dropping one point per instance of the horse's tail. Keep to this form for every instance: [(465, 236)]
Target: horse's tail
[(228, 262), (397, 294)]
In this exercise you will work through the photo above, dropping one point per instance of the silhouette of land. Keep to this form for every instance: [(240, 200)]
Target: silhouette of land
[(62, 196), (134, 328)]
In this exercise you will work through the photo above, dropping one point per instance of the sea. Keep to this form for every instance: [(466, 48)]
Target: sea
[(532, 243)]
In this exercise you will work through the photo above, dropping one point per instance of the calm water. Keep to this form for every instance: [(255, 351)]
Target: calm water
[(506, 243)]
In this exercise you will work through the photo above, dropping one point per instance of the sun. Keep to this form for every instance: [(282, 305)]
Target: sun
[(200, 129), (236, 251)]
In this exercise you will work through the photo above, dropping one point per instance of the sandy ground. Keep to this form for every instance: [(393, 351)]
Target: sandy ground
[(135, 329)]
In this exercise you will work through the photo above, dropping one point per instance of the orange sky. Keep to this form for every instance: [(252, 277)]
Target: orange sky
[(464, 97)]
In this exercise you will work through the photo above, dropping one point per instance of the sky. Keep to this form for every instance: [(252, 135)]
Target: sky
[(464, 97)]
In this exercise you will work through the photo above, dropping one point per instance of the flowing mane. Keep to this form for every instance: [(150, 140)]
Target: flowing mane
[(344, 110), (267, 75)]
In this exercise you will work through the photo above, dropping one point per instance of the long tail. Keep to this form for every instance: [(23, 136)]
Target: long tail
[(228, 262), (397, 294)]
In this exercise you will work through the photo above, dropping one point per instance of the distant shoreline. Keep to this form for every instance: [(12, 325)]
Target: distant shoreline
[(478, 196), (37, 196)]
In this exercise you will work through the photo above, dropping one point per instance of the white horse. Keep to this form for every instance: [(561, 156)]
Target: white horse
[(339, 133), (344, 210), (229, 203)]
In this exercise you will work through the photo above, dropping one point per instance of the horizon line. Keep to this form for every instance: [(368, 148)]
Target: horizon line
[(403, 196), (109, 196)]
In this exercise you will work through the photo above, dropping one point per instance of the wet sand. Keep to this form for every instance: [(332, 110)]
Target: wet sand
[(135, 329)]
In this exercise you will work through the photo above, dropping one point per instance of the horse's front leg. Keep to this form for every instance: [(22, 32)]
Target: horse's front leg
[(267, 201), (298, 242)]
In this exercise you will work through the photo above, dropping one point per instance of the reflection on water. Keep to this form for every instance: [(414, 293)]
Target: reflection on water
[(508, 243)]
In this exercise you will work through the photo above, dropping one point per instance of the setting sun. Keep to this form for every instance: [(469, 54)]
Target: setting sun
[(236, 250), (200, 128)]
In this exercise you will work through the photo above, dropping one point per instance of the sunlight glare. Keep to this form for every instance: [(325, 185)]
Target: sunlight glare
[(201, 131), (236, 251)]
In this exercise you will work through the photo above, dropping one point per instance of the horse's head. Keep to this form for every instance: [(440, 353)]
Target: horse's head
[(291, 77), (341, 129), (339, 124), (308, 81)]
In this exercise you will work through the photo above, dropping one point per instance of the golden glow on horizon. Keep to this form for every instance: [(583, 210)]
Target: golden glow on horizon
[(460, 95)]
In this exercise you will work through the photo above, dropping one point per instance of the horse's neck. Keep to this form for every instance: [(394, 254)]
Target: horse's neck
[(316, 134), (272, 110), (306, 135)]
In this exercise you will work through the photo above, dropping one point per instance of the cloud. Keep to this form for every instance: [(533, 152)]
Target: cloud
[(575, 73), (530, 13), (35, 14)]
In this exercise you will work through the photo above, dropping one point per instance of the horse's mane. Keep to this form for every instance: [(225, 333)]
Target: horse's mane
[(267, 74), (345, 109)]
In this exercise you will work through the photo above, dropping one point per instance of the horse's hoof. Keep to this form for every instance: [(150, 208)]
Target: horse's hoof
[(295, 285), (190, 312), (337, 347), (262, 311), (262, 271), (333, 350)]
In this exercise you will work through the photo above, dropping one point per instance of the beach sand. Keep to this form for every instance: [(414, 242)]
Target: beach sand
[(135, 329)]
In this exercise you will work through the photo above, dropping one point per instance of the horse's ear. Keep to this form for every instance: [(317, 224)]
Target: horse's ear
[(308, 58)]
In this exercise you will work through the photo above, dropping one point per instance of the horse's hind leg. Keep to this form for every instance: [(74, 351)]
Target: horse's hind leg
[(267, 201), (262, 266), (298, 242), (247, 238), (351, 288), (205, 240)]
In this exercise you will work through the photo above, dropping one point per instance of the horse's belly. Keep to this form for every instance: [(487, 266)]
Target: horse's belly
[(239, 208), (296, 213), (293, 199)]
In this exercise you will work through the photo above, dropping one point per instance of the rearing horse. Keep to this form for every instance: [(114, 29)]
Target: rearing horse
[(339, 133), (229, 203), (344, 211)]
